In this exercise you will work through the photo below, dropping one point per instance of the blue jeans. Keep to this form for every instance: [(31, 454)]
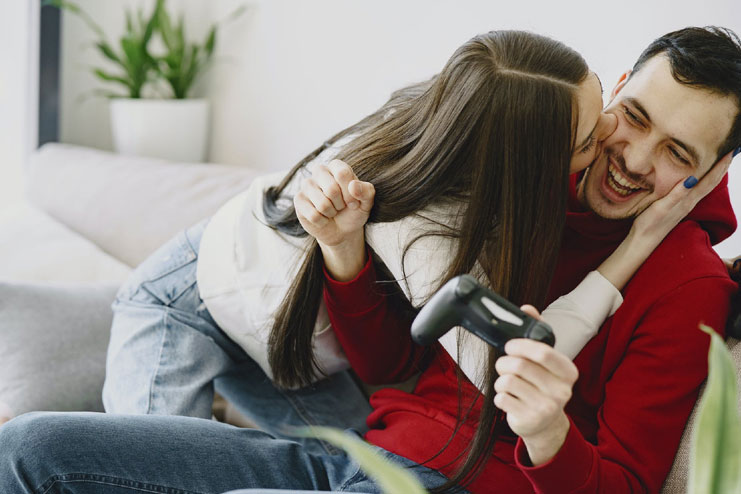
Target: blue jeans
[(98, 453), (165, 359), (167, 356)]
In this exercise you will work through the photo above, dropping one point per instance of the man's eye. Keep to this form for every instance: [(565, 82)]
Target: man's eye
[(632, 117), (679, 156)]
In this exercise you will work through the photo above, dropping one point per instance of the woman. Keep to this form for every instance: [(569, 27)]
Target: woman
[(482, 152)]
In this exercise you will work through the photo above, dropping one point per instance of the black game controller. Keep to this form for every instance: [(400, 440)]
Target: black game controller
[(463, 301)]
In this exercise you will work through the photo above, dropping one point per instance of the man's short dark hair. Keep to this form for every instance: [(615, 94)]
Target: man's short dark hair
[(707, 58)]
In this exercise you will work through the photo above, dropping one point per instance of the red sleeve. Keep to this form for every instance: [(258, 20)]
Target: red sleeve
[(375, 338), (647, 400)]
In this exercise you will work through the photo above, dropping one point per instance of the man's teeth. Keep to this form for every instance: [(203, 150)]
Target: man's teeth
[(619, 183)]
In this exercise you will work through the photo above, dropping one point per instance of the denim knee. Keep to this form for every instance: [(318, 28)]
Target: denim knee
[(24, 441)]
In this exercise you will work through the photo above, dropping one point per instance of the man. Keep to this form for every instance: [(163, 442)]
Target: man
[(678, 114)]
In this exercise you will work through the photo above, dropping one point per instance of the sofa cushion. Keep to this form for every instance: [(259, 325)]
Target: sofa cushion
[(53, 340), (36, 247), (128, 205), (676, 482)]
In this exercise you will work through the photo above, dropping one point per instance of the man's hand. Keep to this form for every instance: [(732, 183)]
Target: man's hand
[(333, 207), (535, 383)]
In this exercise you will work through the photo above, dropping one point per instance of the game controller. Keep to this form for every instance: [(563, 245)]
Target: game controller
[(463, 301)]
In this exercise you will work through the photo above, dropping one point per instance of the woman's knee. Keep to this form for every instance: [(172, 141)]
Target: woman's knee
[(164, 275)]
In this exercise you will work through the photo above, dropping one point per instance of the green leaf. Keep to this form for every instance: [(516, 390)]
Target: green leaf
[(165, 28), (111, 78), (392, 479), (210, 42), (130, 47), (716, 444), (150, 27), (237, 13), (189, 71), (106, 50), (63, 4), (129, 23), (140, 18), (180, 30), (75, 9)]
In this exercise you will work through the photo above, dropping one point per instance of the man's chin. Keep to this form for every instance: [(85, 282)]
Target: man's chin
[(609, 211)]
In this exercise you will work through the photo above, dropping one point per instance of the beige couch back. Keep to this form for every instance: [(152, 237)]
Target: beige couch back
[(128, 206)]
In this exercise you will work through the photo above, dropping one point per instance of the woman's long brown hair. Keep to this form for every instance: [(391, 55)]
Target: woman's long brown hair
[(494, 130)]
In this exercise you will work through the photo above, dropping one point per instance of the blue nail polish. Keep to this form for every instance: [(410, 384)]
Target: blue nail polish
[(736, 263), (690, 182), (736, 151)]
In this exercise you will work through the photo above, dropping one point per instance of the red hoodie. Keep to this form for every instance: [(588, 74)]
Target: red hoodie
[(639, 377)]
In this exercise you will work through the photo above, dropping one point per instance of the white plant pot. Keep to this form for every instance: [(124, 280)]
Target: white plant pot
[(161, 128)]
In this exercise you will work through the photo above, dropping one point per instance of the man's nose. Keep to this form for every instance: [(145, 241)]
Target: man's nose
[(638, 156)]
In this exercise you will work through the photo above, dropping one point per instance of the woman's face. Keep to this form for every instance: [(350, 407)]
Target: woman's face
[(594, 126)]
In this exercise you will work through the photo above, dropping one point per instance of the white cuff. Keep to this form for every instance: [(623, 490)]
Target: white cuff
[(577, 316)]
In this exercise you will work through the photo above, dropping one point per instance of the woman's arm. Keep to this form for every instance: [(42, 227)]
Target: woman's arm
[(333, 206)]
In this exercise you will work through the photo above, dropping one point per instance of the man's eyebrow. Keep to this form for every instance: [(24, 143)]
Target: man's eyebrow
[(640, 108), (689, 149)]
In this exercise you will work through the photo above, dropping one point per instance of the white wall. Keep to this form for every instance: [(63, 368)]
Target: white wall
[(293, 72), (18, 61)]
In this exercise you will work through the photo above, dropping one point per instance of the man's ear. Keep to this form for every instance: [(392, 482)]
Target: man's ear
[(620, 83)]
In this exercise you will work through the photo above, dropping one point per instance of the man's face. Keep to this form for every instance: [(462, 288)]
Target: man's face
[(666, 131)]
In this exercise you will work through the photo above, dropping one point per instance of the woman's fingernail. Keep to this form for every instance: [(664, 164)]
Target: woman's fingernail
[(736, 151), (352, 205), (736, 263), (690, 182)]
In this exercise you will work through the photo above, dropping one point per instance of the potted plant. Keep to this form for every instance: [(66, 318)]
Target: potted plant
[(169, 125), (392, 479), (715, 460)]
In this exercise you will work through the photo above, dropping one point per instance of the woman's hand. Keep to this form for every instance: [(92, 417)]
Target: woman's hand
[(333, 207), (535, 383), (664, 214), (652, 225)]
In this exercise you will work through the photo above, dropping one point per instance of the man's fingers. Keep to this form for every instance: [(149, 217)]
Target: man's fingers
[(531, 311), (553, 361), (517, 387), (535, 374)]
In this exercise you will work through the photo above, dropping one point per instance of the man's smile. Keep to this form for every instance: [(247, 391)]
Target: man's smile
[(616, 185)]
